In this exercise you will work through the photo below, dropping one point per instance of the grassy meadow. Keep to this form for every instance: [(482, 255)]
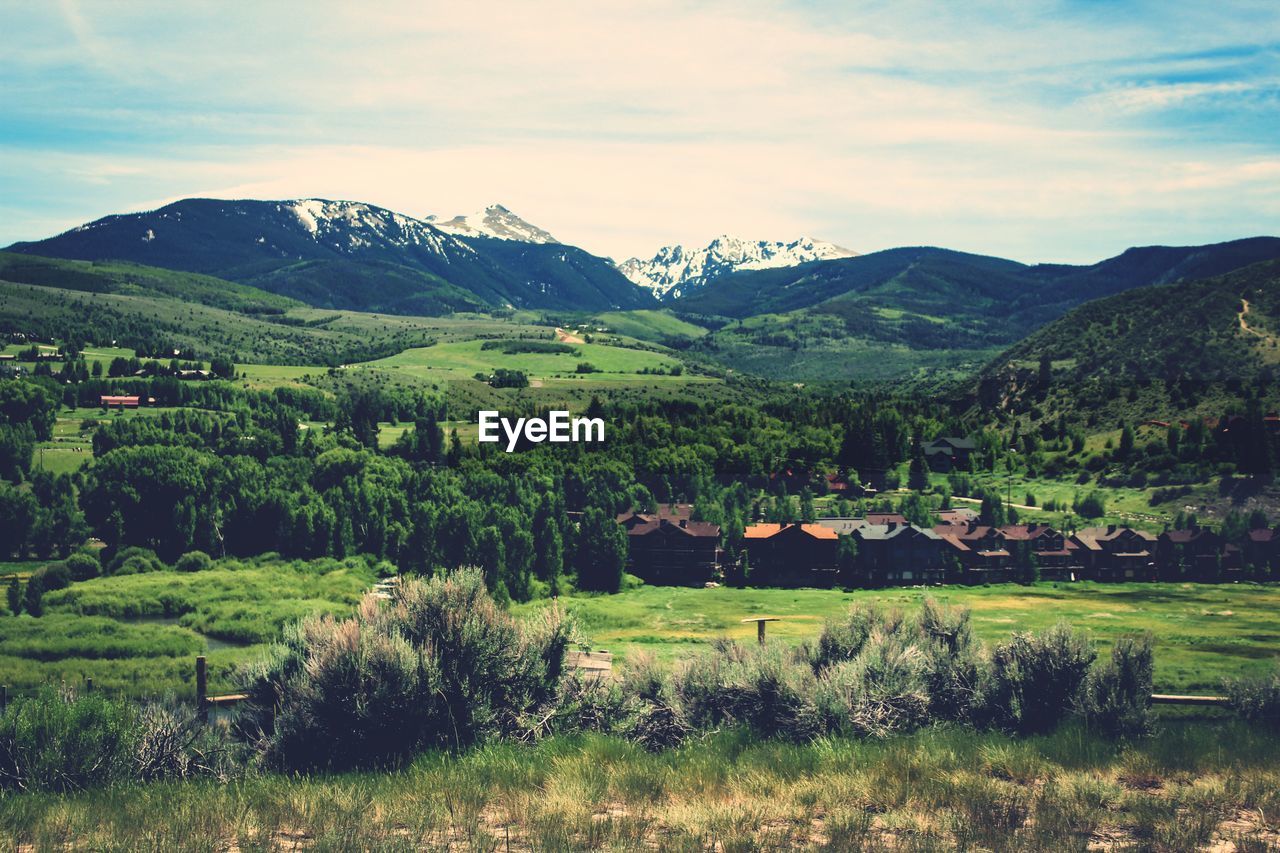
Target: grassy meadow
[(1196, 786), (1203, 633), (647, 325), (139, 634), (463, 359)]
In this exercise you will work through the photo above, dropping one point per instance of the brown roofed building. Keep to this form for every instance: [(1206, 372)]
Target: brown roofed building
[(666, 547), (120, 402), (791, 554), (1261, 553), (1196, 554), (1054, 554), (894, 554), (1115, 553)]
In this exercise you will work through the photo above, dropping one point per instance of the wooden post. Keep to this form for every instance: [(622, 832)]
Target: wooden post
[(202, 689), (760, 623), (4, 697)]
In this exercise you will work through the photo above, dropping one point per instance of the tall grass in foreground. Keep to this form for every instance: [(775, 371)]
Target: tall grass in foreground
[(938, 789)]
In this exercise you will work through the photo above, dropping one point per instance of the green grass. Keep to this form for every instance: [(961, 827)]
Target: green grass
[(463, 359), (940, 789), (647, 325), (71, 448), (139, 634), (1203, 633)]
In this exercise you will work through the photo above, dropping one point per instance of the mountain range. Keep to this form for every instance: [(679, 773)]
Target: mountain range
[(674, 271), (343, 254), (806, 303)]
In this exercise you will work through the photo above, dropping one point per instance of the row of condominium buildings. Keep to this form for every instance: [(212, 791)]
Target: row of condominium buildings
[(668, 547)]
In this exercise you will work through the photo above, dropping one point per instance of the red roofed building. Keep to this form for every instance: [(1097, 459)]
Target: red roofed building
[(791, 554), (107, 401)]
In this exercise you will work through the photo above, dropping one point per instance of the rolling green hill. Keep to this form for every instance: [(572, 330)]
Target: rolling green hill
[(368, 286), (1214, 329), (134, 321), (134, 279)]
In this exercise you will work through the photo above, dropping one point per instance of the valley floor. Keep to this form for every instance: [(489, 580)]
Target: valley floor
[(1203, 633), (1197, 785)]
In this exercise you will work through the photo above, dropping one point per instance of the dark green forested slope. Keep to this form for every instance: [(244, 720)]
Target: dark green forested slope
[(1190, 330)]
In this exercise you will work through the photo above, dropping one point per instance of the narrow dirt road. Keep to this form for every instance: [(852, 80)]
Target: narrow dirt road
[(1244, 309), (568, 337)]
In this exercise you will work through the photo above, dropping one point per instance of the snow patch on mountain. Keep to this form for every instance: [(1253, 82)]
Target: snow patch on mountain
[(675, 271), (494, 221), (353, 225)]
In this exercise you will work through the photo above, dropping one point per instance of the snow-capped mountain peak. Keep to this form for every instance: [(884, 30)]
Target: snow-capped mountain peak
[(352, 225), (674, 271), (494, 221)]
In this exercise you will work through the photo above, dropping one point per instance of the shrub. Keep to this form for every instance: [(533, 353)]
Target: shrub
[(1117, 696), (193, 561), (134, 561), (1035, 679), (174, 743), (83, 565), (952, 660), (760, 687), (843, 640), (13, 595), (33, 598), (881, 691), (1258, 698), (52, 577), (1091, 506), (57, 742), (440, 665)]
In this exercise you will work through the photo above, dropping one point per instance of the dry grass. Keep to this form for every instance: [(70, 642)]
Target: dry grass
[(1198, 786)]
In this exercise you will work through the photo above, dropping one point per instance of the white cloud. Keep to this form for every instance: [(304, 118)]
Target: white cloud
[(621, 126), (1159, 96)]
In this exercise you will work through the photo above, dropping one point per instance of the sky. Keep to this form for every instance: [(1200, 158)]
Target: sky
[(1038, 131)]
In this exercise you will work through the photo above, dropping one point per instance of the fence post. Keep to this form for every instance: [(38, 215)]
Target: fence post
[(202, 689), (4, 697)]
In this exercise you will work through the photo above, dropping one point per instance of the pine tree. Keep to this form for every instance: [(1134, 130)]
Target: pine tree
[(15, 597), (918, 474)]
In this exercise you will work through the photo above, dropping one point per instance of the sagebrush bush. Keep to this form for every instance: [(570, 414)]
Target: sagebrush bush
[(1117, 694), (58, 742), (1257, 699), (953, 660), (842, 639), (762, 687), (881, 691), (1035, 679), (439, 665)]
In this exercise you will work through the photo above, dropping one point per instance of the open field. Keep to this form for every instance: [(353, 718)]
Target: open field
[(71, 447), (648, 325), (149, 627), (463, 359), (1203, 633), (1195, 786)]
